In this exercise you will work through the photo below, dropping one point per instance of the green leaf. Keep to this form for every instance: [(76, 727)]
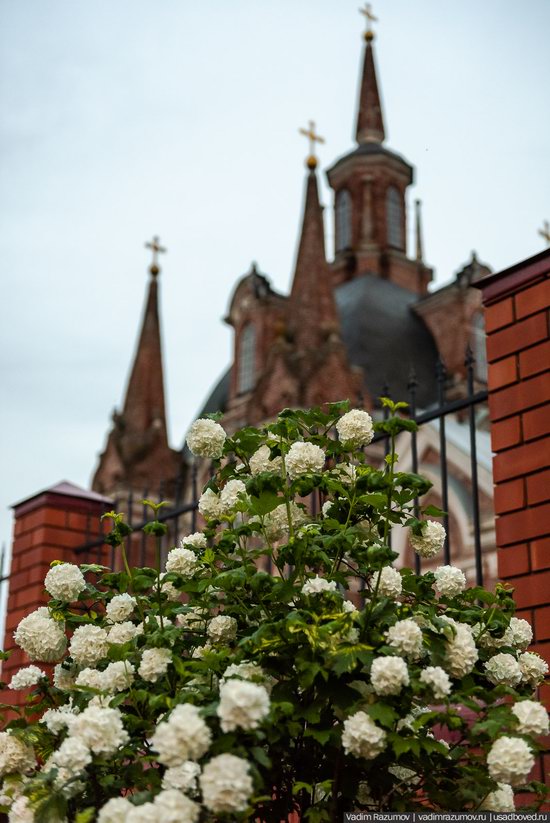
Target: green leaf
[(261, 756), (384, 714), (265, 503)]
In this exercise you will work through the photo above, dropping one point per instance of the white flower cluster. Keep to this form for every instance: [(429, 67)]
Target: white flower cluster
[(21, 811), (390, 582), (501, 800), (388, 675), (261, 461), (88, 645), (120, 607), (317, 585), (431, 541), (183, 736), (362, 737), (304, 458), (222, 629), (197, 540), (169, 806), (406, 637), (242, 705), (183, 777), (118, 676), (209, 505), (248, 671), (532, 717), (510, 760), (100, 729), (154, 664), (461, 655), (41, 637), (231, 494), (533, 668), (503, 668), (518, 634), (56, 720), (276, 522), (437, 680), (355, 427), (123, 632), (206, 438), (15, 756), (182, 561), (193, 619), (226, 784), (449, 581), (73, 755), (26, 677), (65, 581)]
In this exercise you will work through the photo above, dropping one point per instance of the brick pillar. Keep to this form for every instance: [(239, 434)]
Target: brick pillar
[(517, 303), (48, 526)]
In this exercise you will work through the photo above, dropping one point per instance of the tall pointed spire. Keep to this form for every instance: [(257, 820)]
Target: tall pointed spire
[(418, 231), (370, 121), (312, 307)]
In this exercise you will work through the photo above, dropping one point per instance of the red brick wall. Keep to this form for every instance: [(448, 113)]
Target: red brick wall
[(517, 304)]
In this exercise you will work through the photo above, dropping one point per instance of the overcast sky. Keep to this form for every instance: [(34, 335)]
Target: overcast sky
[(121, 119)]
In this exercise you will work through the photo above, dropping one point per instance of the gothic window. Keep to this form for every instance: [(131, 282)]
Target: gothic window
[(343, 220), (247, 359), (394, 218), (479, 347)]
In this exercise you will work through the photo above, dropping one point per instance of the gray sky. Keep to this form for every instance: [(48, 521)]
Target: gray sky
[(121, 119)]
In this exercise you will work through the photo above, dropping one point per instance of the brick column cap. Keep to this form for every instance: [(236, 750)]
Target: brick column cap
[(508, 281), (64, 495)]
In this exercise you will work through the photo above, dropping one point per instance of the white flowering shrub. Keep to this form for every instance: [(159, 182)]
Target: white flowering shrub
[(278, 661)]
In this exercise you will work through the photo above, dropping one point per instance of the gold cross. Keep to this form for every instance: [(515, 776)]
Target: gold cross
[(545, 232), (367, 11), (313, 138), (157, 249)]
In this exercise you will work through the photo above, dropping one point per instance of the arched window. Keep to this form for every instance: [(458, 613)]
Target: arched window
[(479, 347), (394, 218), (343, 220), (247, 359)]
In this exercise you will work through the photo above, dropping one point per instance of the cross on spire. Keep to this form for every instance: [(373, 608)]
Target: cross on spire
[(157, 249), (370, 18), (545, 232), (313, 138)]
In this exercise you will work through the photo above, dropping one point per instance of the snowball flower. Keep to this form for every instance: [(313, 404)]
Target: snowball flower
[(193, 618), (242, 705), (316, 585), (73, 755), (197, 540), (115, 810), (182, 561), (21, 811), (327, 506), (355, 427), (303, 458), (206, 438), (230, 495), (57, 720), (90, 679), (533, 668), (501, 800), (65, 581), (154, 663), (41, 637), (276, 522), (99, 728), (518, 634), (118, 676), (172, 806), (29, 676), (123, 632), (120, 607), (209, 505), (388, 675), (248, 671), (183, 736), (362, 737), (406, 637), (390, 582), (261, 461), (88, 645), (462, 653), (503, 668), (449, 581), (222, 629), (183, 777), (437, 680), (510, 760), (532, 717), (226, 784), (431, 541), (15, 756)]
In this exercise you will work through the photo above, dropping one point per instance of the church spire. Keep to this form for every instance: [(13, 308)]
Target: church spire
[(312, 306), (370, 121)]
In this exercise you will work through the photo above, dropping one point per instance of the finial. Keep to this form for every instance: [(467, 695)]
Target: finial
[(545, 232), (157, 249), (370, 18), (313, 137)]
